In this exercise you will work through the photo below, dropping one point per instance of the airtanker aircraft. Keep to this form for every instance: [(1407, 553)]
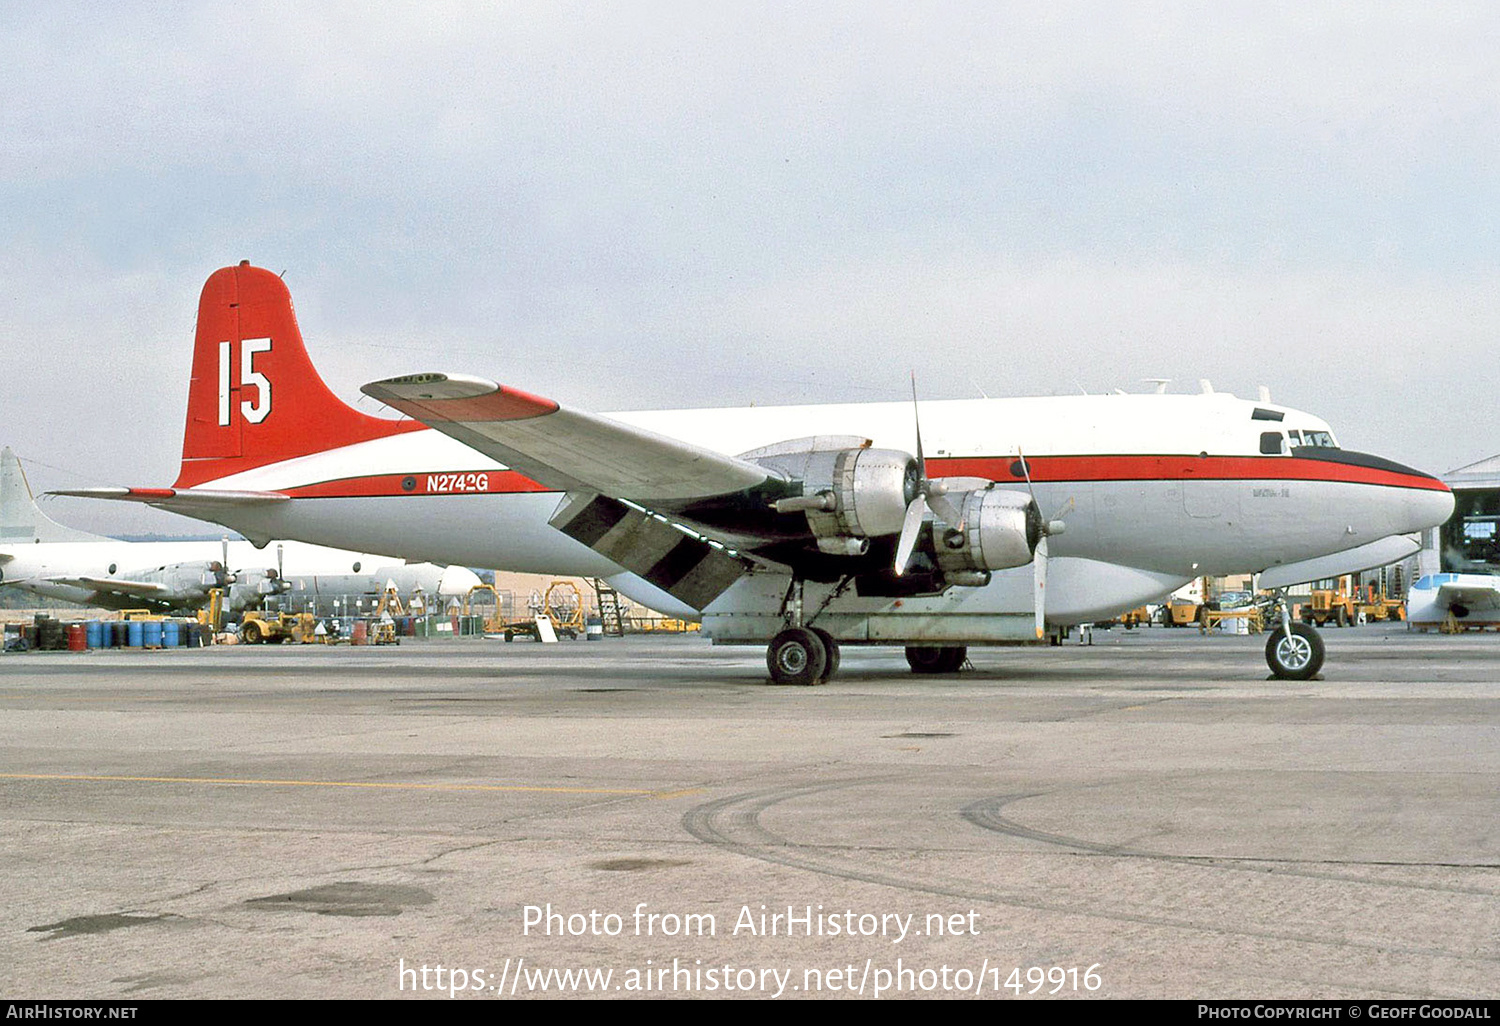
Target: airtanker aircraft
[(804, 528)]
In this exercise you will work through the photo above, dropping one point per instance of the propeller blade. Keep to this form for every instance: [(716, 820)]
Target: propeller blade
[(1039, 587), (915, 511), (1026, 470), (917, 420), (943, 507)]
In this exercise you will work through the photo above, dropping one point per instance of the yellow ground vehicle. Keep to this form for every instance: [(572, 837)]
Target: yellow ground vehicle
[(257, 627), (1181, 612), (1341, 602), (1376, 605)]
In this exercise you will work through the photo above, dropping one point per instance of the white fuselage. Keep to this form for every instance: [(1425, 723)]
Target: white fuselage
[(1154, 490)]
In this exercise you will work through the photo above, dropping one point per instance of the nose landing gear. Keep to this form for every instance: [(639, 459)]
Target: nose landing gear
[(1294, 651)]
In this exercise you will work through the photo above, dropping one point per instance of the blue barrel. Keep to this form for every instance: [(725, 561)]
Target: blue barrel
[(93, 634), (171, 634), (152, 634), (136, 633)]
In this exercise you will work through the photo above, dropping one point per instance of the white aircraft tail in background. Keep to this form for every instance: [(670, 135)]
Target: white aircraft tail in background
[(48, 559)]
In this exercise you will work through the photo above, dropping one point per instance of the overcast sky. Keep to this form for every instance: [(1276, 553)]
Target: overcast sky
[(642, 205)]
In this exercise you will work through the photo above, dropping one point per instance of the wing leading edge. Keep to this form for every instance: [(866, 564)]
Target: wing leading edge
[(562, 448)]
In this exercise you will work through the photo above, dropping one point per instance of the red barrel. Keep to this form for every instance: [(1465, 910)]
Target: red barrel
[(77, 637), (361, 633)]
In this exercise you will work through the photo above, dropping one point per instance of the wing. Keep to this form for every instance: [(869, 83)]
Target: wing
[(566, 449), (1473, 598), (115, 586)]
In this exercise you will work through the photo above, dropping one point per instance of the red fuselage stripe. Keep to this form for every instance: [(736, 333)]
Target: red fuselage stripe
[(1179, 468), (1044, 469)]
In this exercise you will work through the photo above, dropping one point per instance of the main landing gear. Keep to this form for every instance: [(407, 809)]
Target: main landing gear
[(1294, 651), (800, 654)]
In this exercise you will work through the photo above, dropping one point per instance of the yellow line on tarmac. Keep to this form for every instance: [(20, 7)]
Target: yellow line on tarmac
[(79, 777)]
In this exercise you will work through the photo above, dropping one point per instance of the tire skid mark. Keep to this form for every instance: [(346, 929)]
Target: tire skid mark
[(986, 815), (733, 824)]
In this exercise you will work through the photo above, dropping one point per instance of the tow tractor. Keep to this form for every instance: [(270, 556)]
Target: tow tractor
[(259, 627)]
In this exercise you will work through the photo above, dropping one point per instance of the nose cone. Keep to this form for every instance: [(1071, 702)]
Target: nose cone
[(456, 581), (1405, 500), (1429, 508)]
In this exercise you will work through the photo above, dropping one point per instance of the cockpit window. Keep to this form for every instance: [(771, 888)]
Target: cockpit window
[(1270, 443), (1321, 439), (1295, 437)]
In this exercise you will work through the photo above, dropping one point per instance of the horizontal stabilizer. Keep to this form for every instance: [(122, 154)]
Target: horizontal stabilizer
[(565, 449), (687, 568), (176, 498)]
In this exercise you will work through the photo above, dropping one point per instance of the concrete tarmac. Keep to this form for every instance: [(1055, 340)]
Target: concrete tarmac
[(1146, 817)]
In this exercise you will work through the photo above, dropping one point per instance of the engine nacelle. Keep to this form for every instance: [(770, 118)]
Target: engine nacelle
[(853, 493), (999, 529), (185, 582)]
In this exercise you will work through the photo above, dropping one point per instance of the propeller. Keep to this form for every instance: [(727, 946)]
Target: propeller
[(927, 494), (1039, 554)]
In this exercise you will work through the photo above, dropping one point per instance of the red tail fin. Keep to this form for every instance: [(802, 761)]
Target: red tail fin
[(255, 397)]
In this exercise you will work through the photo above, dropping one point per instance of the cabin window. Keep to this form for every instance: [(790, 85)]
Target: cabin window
[(1270, 443), (356, 568)]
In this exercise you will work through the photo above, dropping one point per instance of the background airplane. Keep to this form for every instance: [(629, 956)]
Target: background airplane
[(1454, 601), (48, 559), (832, 525)]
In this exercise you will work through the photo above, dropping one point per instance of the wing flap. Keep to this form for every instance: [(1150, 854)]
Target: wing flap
[(561, 448), (684, 566)]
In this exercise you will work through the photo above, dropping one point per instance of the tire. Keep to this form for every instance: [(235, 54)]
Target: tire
[(796, 656), (1341, 617), (251, 633), (1297, 658), (922, 659), (831, 647)]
